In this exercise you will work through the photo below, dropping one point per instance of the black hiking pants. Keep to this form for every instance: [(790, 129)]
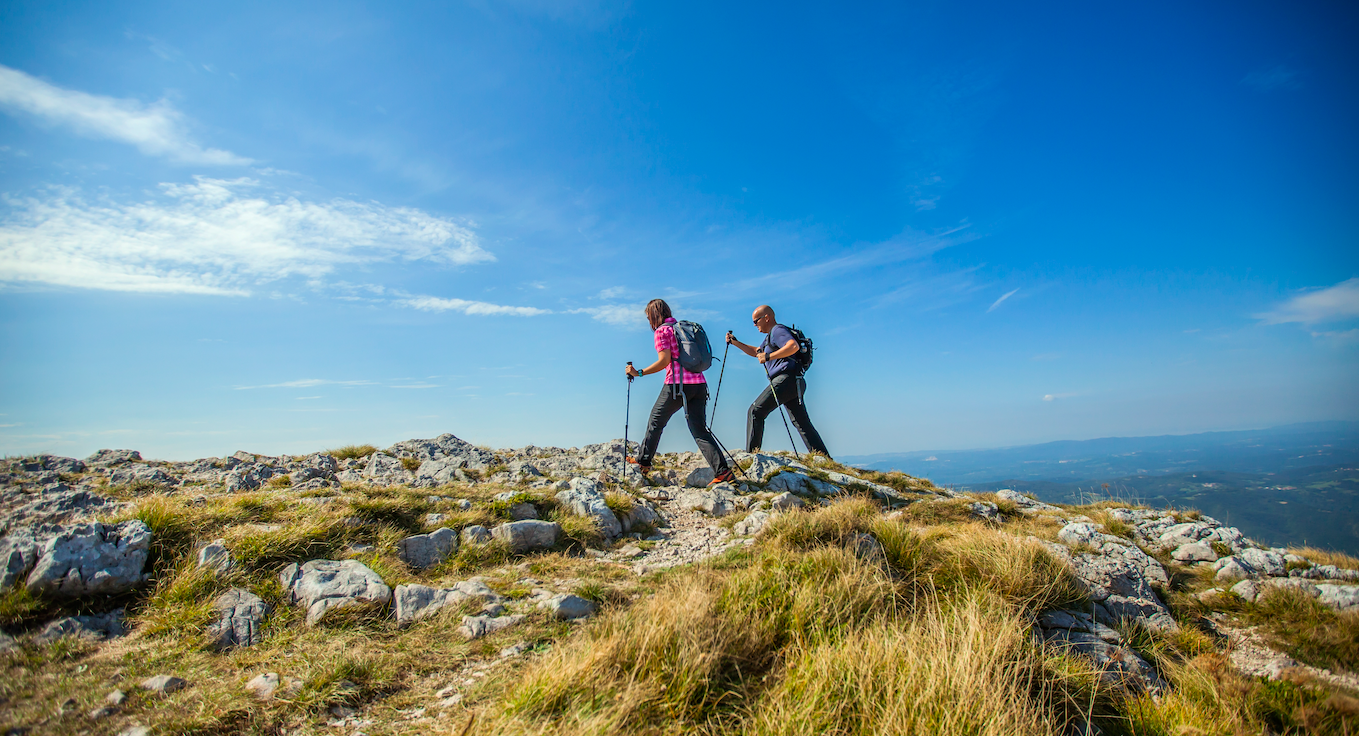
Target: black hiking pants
[(786, 390), (669, 402)]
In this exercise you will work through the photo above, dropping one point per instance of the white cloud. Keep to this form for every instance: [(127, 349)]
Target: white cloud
[(476, 309), (1054, 397), (307, 383), (1003, 297), (618, 315), (214, 237), (612, 292), (157, 129), (1339, 302), (1266, 80)]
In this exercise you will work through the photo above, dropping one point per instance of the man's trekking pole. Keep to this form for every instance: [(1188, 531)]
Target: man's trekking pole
[(627, 419), (779, 403)]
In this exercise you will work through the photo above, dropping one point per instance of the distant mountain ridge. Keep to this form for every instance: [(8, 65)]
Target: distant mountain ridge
[(1250, 451)]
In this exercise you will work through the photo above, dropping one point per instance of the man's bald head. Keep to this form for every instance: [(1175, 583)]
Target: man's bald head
[(762, 310), (763, 317)]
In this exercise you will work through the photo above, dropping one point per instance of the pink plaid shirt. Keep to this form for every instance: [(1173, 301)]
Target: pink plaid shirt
[(665, 340)]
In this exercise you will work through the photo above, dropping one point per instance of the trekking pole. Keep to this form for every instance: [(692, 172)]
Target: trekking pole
[(627, 419), (779, 403), (720, 374)]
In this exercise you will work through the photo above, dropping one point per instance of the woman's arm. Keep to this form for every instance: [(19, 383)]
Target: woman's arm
[(662, 361)]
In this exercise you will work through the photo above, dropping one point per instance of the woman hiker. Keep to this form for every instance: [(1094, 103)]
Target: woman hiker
[(694, 398)]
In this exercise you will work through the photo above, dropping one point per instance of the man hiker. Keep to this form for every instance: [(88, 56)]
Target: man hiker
[(786, 384)]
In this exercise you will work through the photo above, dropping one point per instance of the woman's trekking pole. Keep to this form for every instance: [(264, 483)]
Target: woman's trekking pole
[(720, 374), (627, 419)]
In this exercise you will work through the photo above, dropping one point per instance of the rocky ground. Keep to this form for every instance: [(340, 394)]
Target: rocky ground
[(502, 546)]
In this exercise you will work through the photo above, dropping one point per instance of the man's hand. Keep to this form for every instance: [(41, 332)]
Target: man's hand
[(760, 356), (632, 372)]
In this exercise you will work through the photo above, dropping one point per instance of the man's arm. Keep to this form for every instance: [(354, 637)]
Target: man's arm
[(747, 349), (789, 348)]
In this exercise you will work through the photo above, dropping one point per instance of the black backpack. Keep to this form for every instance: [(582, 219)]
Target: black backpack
[(803, 356)]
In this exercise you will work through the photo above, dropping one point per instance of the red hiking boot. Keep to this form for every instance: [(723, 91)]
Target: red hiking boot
[(726, 476), (643, 469)]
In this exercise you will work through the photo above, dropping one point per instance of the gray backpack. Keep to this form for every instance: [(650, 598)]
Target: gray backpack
[(696, 354)]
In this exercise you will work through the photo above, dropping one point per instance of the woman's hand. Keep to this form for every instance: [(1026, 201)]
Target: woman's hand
[(631, 372)]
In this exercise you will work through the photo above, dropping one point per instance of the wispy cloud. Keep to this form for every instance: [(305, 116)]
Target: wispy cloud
[(1002, 298), (618, 315), (214, 237), (908, 246), (1054, 397), (612, 292), (416, 385), (1267, 80), (308, 383), (1332, 304), (157, 129), (468, 307)]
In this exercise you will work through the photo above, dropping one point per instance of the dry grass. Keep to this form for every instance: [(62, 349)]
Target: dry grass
[(1327, 557), (349, 452)]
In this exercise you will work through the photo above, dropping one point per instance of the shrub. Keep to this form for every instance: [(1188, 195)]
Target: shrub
[(410, 463), (280, 481), (350, 452)]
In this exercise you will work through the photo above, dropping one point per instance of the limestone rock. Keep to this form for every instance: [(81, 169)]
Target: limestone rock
[(1266, 562), (1194, 552), (752, 524), (985, 510), (799, 484), (137, 472), (717, 501), (565, 607), (475, 627), (415, 602), (385, 470), (643, 514), (699, 477), (1342, 597), (240, 619), (164, 684), (58, 464), (425, 550), (322, 585), (585, 498), (247, 477), (105, 458), (784, 502), (216, 556), (523, 536), (1026, 505), (1117, 576), (93, 628), (92, 559), (1233, 568), (475, 534)]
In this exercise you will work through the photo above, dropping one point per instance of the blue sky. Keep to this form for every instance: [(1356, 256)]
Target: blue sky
[(282, 227)]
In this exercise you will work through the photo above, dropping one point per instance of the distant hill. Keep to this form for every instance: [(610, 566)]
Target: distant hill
[(1296, 484), (1252, 451)]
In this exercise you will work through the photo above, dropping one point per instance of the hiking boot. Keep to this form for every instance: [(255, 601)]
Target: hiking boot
[(643, 469), (726, 476)]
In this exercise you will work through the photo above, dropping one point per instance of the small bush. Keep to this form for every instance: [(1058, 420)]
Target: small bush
[(351, 452), (280, 481), (410, 463)]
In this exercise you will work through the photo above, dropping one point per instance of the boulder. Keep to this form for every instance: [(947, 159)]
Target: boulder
[(699, 478), (19, 552), (985, 510), (585, 498), (475, 627), (523, 536), (139, 473), (751, 525), (1026, 505), (761, 464), (164, 684), (643, 514), (92, 559), (240, 619), (717, 501), (1265, 562), (322, 585), (414, 602), (444, 447), (1342, 597), (1117, 576), (61, 464), (797, 483), (105, 458), (425, 550), (1194, 552), (784, 502), (565, 607), (95, 628), (475, 534), (1182, 534), (216, 556), (247, 477), (385, 470)]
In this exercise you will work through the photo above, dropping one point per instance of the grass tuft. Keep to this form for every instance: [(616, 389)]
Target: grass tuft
[(351, 452)]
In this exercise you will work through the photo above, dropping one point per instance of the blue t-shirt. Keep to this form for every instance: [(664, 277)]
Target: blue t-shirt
[(778, 337)]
